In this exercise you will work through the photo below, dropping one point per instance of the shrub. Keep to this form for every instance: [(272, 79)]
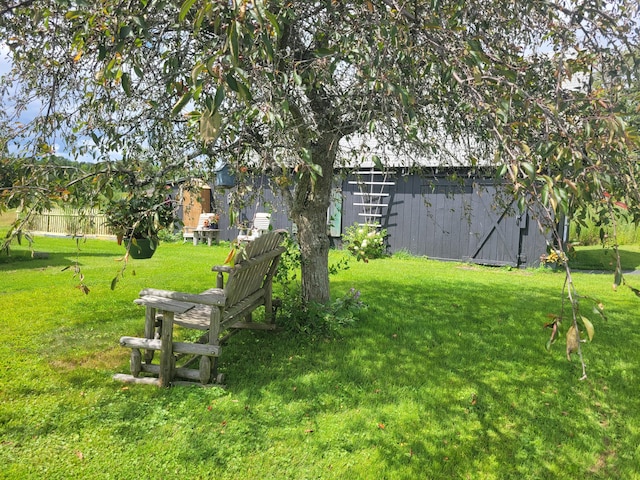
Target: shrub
[(312, 319), (318, 320), (365, 241)]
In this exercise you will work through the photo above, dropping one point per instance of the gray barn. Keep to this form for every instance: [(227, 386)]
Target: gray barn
[(425, 214)]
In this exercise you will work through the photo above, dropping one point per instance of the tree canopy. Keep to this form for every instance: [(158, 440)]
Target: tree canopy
[(148, 87)]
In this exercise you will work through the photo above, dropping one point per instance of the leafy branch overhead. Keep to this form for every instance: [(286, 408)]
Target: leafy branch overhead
[(542, 92)]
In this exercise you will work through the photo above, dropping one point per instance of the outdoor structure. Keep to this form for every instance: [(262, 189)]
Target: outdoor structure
[(192, 203), (450, 215)]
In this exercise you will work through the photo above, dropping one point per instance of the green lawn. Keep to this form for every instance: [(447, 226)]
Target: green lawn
[(444, 376), (599, 258)]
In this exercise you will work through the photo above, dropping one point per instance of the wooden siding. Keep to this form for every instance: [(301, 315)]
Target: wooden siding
[(428, 216)]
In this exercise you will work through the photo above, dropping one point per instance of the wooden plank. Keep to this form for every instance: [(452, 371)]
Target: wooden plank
[(189, 373), (131, 379), (142, 343), (164, 304), (178, 347), (367, 182), (212, 297), (196, 349)]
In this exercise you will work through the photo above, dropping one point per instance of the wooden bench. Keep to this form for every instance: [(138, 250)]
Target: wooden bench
[(202, 231), (219, 312)]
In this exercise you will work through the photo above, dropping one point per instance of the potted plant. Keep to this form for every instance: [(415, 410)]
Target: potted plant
[(137, 219)]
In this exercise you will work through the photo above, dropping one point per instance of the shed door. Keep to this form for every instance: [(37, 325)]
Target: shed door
[(495, 237)]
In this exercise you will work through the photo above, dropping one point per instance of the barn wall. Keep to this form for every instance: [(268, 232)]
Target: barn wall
[(427, 216), (268, 201)]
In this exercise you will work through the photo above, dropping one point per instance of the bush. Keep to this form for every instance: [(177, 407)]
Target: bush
[(365, 241), (317, 320), (312, 319), (167, 236)]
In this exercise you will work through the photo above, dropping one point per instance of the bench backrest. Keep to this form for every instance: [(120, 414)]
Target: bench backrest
[(261, 221), (255, 266)]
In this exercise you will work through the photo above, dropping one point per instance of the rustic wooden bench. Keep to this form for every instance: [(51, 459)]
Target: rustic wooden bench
[(219, 311)]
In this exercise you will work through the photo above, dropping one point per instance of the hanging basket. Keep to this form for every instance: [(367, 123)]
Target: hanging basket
[(224, 176), (142, 247)]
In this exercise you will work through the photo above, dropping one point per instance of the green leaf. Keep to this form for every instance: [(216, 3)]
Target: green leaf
[(233, 43), (232, 82), (273, 20), (267, 46), (219, 97), (297, 78), (323, 52), (244, 92), (126, 83), (124, 32), (317, 169), (114, 282), (177, 108), (210, 123), (197, 70), (377, 162), (184, 10), (529, 169), (588, 326), (70, 15)]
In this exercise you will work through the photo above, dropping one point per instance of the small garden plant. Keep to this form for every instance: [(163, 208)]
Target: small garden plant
[(312, 318), (365, 242)]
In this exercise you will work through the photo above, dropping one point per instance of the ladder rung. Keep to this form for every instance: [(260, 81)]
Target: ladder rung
[(370, 205), (363, 172), (372, 194), (366, 182), (370, 214)]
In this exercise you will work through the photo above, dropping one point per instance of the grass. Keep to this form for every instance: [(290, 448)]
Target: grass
[(444, 376), (603, 259)]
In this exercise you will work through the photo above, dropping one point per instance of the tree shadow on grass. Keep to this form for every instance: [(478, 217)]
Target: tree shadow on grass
[(603, 259), (439, 379), (449, 379), (26, 260)]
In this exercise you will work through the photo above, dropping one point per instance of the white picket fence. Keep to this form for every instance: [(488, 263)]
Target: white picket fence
[(70, 222)]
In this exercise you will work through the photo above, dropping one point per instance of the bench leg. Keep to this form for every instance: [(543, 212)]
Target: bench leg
[(209, 367), (268, 304), (167, 360), (149, 331), (136, 362)]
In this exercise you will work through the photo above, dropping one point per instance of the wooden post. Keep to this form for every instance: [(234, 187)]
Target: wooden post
[(135, 362), (149, 330), (214, 337), (166, 354)]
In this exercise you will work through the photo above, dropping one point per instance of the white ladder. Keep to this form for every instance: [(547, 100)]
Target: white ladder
[(374, 195)]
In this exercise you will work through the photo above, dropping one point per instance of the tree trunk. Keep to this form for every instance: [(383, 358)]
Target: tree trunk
[(309, 211)]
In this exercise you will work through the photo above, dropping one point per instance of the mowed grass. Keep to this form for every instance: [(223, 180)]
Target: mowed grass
[(604, 259), (444, 376)]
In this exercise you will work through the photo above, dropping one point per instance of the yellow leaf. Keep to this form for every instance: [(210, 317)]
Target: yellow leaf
[(78, 56), (588, 326), (230, 257), (572, 341)]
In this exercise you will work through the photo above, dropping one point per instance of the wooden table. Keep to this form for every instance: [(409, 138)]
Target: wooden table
[(211, 234)]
